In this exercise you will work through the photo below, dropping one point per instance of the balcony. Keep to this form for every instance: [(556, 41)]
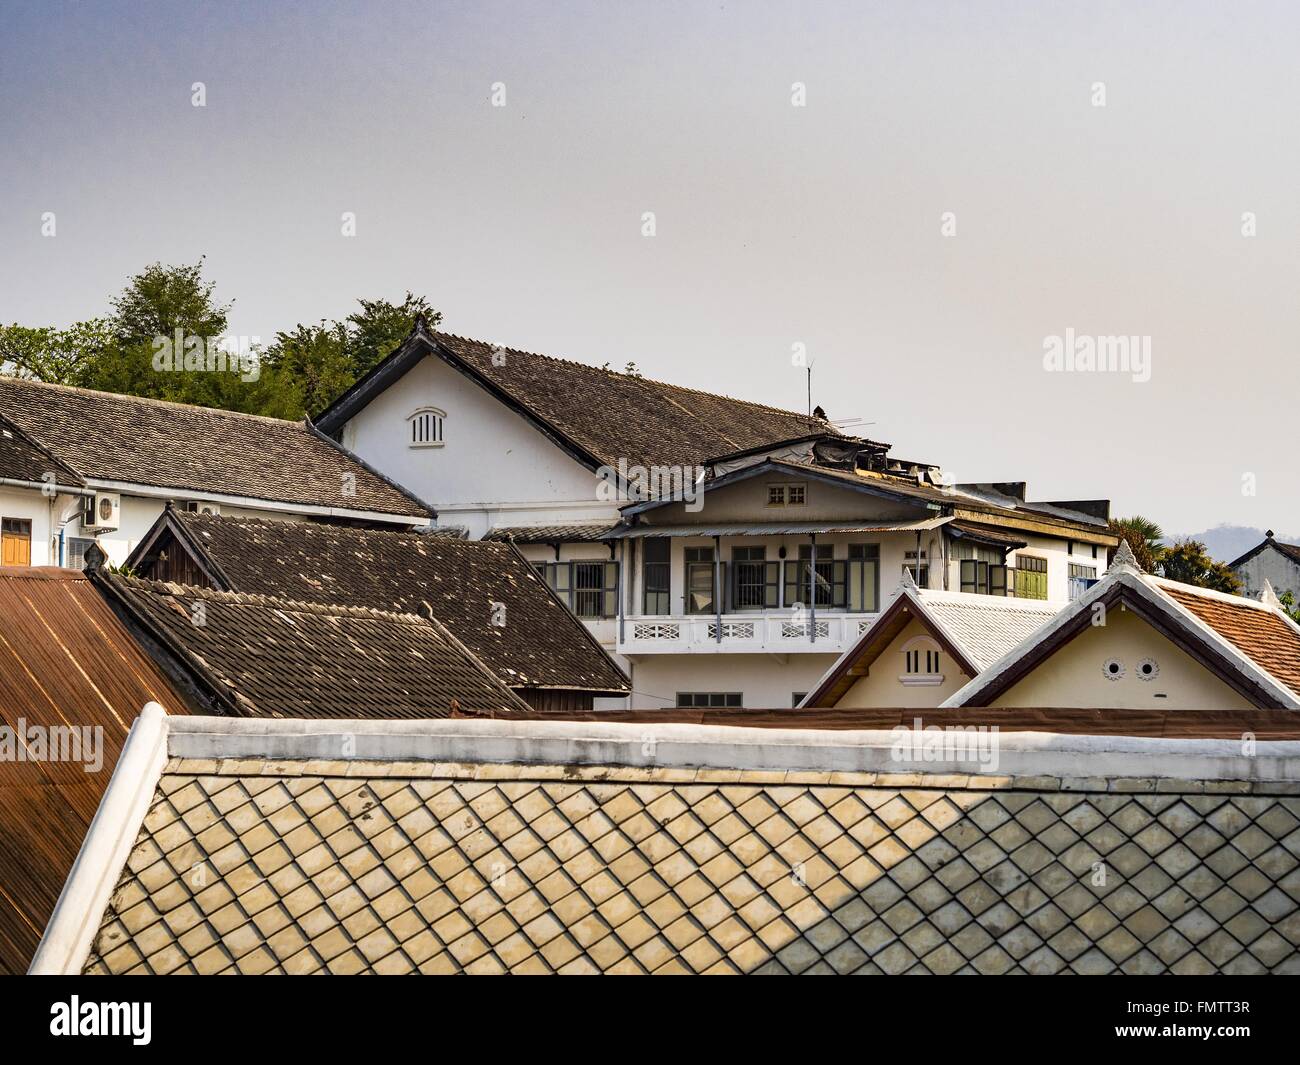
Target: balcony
[(774, 633)]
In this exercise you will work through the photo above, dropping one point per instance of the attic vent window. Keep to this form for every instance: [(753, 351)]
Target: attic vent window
[(921, 662), (787, 495), (426, 427)]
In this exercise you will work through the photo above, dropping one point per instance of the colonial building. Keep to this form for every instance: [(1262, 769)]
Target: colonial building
[(1135, 641), (79, 467), (727, 553), (1270, 561)]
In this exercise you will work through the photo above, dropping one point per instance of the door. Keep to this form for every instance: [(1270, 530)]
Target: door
[(15, 542)]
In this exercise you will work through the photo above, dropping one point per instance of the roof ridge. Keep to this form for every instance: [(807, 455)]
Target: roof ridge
[(150, 401), (298, 606), (632, 377)]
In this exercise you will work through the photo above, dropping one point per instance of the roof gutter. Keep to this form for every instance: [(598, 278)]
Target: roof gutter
[(43, 486), (71, 930)]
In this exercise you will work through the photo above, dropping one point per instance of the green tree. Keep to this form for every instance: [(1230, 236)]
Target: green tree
[(1143, 537), (58, 356), (1290, 605), (1188, 563), (376, 331), (161, 299)]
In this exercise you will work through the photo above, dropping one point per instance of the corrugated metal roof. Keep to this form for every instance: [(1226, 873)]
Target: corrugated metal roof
[(788, 528), (65, 659)]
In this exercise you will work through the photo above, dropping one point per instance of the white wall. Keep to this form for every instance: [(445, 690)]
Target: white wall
[(494, 468), (766, 681), (1270, 564)]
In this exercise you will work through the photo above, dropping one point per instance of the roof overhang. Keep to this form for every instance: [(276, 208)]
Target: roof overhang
[(787, 528)]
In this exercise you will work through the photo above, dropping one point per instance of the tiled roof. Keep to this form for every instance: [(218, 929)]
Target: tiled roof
[(987, 626), (23, 460), (1292, 551), (1257, 631), (64, 660), (605, 415), (106, 436), (532, 640), (279, 658), (448, 867)]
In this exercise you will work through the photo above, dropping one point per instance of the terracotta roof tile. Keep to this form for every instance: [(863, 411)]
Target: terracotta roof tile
[(1259, 633)]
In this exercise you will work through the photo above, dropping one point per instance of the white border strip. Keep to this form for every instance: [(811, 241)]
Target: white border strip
[(725, 747), (112, 833)]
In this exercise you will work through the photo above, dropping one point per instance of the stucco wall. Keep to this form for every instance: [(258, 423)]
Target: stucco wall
[(882, 686), (1282, 572), (764, 680), (1074, 676), (494, 468)]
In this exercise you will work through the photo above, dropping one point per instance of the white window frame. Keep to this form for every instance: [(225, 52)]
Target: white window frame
[(431, 416)]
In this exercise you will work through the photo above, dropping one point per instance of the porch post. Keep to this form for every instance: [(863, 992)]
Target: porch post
[(717, 584), (812, 590)]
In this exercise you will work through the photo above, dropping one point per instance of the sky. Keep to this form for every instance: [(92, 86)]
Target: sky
[(920, 196)]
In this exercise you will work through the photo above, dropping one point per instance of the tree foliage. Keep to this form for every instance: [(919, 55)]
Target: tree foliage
[(299, 373), (1188, 563), (1143, 537)]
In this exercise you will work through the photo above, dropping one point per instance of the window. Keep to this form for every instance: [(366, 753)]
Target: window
[(1081, 579), (699, 580), (74, 552), (426, 427), (797, 697), (864, 578), (755, 582), (921, 662), (1031, 577), (15, 542), (589, 588), (920, 574), (787, 495), (655, 575), (983, 577), (828, 576), (706, 699)]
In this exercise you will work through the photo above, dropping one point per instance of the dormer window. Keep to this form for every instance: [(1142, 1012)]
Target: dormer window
[(426, 427), (922, 662)]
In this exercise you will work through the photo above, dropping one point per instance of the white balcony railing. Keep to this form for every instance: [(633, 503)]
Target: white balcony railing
[(775, 633)]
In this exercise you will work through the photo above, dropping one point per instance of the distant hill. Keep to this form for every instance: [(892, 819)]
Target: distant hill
[(1228, 542)]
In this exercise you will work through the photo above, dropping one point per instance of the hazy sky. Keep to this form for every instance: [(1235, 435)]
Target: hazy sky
[(775, 224)]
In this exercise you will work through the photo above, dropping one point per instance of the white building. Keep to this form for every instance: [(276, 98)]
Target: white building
[(726, 552), (78, 466), (1269, 562)]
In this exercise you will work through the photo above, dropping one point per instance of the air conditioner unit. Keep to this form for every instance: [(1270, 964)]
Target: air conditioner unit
[(102, 513), (198, 506)]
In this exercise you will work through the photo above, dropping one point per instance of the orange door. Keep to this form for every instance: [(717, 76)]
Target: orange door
[(15, 542)]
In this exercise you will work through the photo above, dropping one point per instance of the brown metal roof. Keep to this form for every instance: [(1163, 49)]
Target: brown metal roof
[(65, 659)]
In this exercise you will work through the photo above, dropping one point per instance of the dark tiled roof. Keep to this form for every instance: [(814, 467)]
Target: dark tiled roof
[(615, 415), (22, 460), (1262, 635), (90, 674), (540, 644), (1292, 551), (280, 658), (599, 415), (107, 436)]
